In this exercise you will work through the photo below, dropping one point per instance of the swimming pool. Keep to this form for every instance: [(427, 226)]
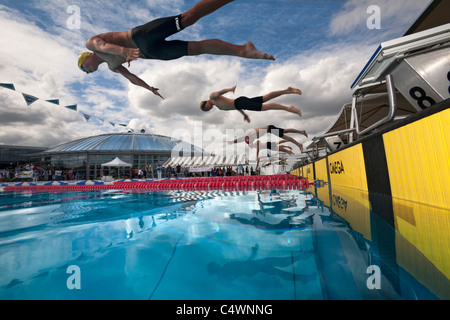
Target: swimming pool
[(206, 245)]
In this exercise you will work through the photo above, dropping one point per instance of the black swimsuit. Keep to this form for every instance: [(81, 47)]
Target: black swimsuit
[(272, 146), (252, 104), (275, 131), (150, 38)]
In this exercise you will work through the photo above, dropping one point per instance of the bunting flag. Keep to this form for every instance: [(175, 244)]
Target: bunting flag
[(29, 99), (86, 116), (54, 101), (7, 85), (72, 107)]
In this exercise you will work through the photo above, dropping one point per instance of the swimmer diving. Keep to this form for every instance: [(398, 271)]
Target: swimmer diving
[(148, 41)]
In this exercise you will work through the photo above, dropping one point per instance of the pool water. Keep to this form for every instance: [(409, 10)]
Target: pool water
[(208, 245)]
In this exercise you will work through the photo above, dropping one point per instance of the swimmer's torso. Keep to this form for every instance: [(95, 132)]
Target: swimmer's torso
[(122, 39)]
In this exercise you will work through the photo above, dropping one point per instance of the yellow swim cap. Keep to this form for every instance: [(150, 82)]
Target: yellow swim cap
[(82, 58)]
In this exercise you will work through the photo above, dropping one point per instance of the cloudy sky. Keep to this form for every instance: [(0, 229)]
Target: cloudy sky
[(320, 46)]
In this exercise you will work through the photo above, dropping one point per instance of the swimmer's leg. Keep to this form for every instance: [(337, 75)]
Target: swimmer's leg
[(219, 47), (275, 94), (290, 139), (276, 106), (201, 9), (286, 150), (303, 132)]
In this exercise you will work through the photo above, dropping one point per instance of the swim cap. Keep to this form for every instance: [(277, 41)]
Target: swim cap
[(82, 58), (202, 105)]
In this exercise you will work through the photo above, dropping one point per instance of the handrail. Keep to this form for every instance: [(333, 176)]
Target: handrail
[(392, 109), (331, 134)]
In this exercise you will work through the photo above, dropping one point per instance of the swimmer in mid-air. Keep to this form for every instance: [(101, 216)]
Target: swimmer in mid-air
[(253, 104), (280, 132), (148, 42), (270, 146)]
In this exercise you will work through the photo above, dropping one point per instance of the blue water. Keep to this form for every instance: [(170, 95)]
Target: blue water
[(261, 245)]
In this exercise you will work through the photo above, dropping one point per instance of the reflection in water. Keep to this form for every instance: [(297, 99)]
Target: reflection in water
[(270, 266), (413, 257), (270, 244)]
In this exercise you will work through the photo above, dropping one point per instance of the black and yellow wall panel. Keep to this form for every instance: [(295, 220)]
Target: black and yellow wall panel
[(300, 172), (347, 168), (309, 174), (418, 158), (321, 168), (352, 205), (323, 194), (427, 228), (393, 187)]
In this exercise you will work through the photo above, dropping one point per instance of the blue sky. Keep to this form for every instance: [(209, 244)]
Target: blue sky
[(320, 46)]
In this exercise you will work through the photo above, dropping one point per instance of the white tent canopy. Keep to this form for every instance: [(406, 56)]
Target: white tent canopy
[(116, 163), (217, 160)]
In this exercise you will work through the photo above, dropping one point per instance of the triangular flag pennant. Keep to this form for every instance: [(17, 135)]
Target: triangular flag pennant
[(54, 101), (86, 116), (112, 123), (29, 99), (72, 107), (8, 86)]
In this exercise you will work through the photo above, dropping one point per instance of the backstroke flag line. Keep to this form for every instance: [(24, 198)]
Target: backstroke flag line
[(29, 99)]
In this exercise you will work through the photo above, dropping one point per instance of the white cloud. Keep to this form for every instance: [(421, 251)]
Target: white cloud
[(40, 59), (324, 77), (44, 65)]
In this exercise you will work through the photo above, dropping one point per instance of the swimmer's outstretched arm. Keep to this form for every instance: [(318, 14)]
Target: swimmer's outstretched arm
[(246, 118), (217, 94), (136, 80), (96, 43)]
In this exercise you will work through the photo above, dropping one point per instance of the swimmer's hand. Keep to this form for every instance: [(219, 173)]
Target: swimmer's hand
[(130, 54), (155, 91), (136, 80), (246, 118)]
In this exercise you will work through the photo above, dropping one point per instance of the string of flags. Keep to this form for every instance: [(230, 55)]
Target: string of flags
[(29, 99)]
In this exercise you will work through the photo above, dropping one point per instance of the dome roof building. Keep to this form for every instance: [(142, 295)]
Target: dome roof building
[(141, 150)]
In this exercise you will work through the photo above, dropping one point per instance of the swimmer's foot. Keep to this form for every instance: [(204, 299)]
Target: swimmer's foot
[(303, 132), (295, 110), (251, 52), (294, 90)]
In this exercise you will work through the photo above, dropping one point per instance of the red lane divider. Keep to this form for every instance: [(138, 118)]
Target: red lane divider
[(282, 181)]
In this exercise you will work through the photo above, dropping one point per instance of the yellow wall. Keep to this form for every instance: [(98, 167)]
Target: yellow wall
[(353, 205), (309, 174), (321, 170), (418, 158), (347, 168)]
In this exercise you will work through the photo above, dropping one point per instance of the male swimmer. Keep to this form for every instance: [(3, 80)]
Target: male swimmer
[(271, 129), (270, 146), (253, 104), (148, 42)]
